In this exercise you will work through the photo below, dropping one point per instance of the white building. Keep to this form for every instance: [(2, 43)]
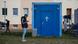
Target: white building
[(21, 4)]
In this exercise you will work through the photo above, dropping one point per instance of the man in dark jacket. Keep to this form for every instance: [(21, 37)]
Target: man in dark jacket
[(24, 26), (7, 25)]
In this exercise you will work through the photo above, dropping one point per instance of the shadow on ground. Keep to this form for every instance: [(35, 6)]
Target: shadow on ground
[(15, 38)]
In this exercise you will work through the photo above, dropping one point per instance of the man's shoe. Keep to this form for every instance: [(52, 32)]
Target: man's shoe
[(24, 40)]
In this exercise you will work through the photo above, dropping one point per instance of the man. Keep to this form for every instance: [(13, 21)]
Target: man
[(7, 25), (24, 26)]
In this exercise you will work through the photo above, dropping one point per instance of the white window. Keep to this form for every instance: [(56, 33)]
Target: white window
[(15, 11)]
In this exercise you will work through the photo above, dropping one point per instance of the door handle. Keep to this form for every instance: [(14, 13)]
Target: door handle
[(46, 18), (42, 22)]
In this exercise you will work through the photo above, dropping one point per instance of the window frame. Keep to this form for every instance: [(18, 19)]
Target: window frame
[(4, 11), (15, 11)]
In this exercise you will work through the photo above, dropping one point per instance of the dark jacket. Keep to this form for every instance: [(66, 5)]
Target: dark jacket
[(24, 22), (7, 24)]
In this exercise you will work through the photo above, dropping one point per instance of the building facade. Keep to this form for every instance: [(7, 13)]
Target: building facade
[(19, 5)]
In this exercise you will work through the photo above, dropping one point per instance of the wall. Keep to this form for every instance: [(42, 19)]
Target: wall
[(69, 4), (10, 4), (27, 4), (20, 4), (14, 4), (1, 5), (46, 0)]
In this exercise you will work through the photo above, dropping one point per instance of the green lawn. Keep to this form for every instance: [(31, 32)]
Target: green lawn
[(15, 38)]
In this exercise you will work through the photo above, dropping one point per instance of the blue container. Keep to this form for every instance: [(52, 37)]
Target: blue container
[(76, 16), (47, 19)]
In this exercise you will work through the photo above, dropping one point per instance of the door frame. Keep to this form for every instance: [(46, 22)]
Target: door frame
[(60, 3)]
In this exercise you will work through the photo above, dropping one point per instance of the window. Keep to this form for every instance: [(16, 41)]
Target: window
[(4, 11), (26, 11), (15, 11), (69, 11)]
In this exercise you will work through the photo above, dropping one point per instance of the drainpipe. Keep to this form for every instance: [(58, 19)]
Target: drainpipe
[(4, 1)]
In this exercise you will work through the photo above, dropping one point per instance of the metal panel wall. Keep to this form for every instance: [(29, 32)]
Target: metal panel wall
[(47, 19), (76, 16)]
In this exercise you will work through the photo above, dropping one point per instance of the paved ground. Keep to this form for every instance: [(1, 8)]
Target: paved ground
[(15, 38)]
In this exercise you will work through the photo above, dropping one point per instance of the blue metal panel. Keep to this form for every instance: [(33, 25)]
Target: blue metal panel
[(76, 16), (47, 19)]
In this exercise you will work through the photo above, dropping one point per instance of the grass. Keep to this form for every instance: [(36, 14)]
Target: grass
[(15, 38)]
